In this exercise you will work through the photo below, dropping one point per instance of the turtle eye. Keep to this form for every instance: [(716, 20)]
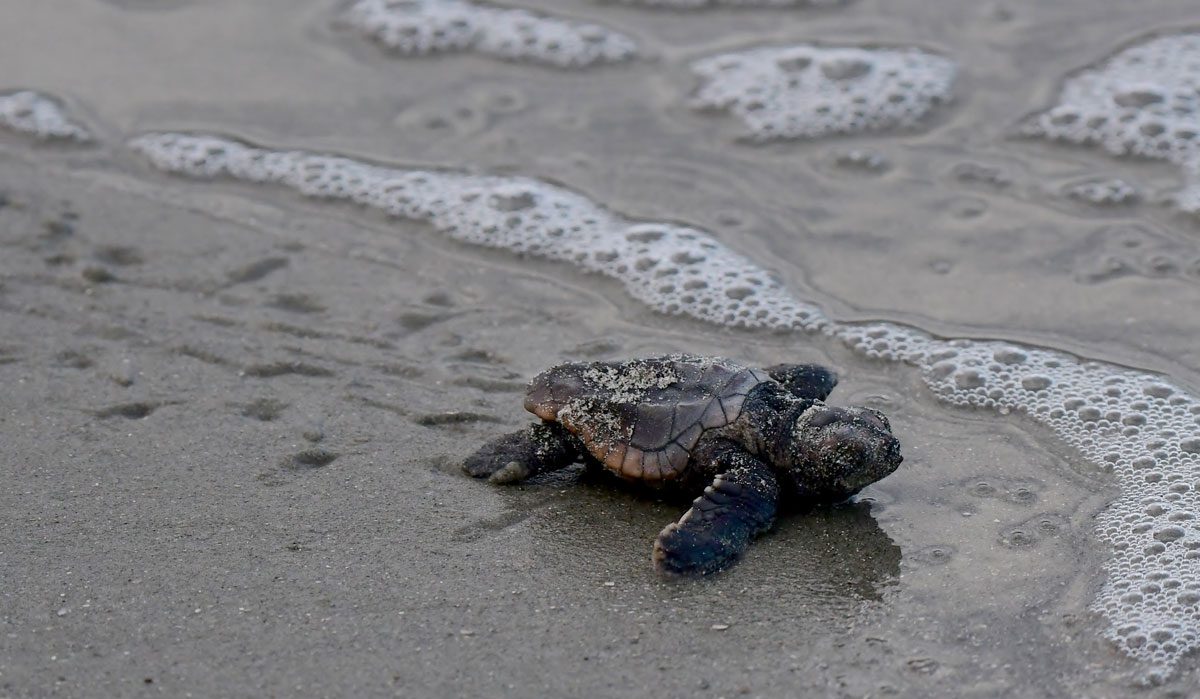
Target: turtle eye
[(874, 418), (822, 417)]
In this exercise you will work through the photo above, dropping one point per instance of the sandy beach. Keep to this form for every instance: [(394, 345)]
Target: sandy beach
[(232, 416)]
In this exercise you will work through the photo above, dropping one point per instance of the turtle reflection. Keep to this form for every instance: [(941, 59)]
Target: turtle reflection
[(828, 560)]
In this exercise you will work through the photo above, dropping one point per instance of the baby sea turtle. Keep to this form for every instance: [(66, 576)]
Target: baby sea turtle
[(744, 437)]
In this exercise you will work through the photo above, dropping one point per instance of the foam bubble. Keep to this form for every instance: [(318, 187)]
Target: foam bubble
[(808, 91), (1108, 192), (1146, 430), (421, 27), (671, 268), (40, 116), (1144, 101)]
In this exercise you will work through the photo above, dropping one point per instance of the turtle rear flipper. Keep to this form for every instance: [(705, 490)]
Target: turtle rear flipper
[(739, 505), (519, 455)]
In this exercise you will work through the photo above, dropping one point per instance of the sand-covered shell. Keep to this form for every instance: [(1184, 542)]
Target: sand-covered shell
[(642, 418)]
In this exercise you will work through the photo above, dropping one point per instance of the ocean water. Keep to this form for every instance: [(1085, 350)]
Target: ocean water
[(983, 215)]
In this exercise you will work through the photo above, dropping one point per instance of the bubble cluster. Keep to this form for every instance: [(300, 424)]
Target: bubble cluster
[(1146, 430), (862, 160), (808, 91), (1110, 192), (1143, 101), (1034, 530), (421, 27), (671, 268), (37, 115)]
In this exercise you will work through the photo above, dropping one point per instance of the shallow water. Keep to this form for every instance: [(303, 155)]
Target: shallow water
[(152, 322)]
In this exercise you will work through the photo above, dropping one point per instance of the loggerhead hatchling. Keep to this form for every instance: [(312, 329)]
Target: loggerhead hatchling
[(744, 437)]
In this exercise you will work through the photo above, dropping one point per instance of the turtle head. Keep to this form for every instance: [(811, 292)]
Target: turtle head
[(836, 452)]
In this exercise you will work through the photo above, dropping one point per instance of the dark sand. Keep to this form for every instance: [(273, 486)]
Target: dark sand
[(231, 418)]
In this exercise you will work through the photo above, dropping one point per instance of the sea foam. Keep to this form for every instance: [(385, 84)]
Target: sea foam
[(1142, 101), (808, 91), (38, 115), (1136, 424), (422, 27)]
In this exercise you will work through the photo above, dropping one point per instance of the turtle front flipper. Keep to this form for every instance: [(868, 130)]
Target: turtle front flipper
[(519, 455), (739, 505), (810, 381)]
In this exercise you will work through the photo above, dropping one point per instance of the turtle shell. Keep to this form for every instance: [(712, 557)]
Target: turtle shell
[(642, 418)]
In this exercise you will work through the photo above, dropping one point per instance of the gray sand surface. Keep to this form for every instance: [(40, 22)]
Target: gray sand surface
[(230, 418)]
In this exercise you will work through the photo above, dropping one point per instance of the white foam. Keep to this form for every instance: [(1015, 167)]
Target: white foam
[(421, 27), (40, 116), (1142, 427), (1143, 101), (808, 91)]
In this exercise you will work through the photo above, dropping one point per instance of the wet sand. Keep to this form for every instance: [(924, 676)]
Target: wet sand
[(232, 417)]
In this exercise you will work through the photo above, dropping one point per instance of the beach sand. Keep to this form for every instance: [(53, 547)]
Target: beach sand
[(231, 418)]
